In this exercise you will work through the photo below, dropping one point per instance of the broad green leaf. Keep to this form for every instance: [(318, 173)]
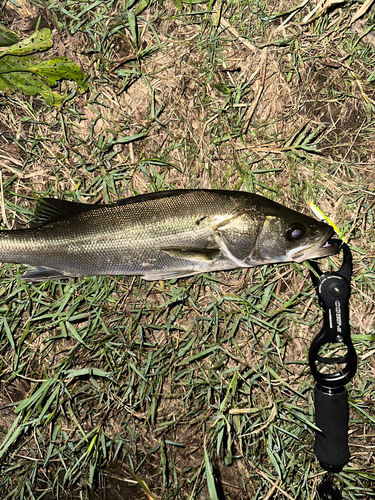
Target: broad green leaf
[(54, 70), (38, 41), (7, 37), (33, 76), (14, 76)]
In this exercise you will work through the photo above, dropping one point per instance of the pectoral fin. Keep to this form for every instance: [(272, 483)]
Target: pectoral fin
[(237, 236), (192, 254)]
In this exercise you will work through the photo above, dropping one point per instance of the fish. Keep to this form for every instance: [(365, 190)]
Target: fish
[(163, 235)]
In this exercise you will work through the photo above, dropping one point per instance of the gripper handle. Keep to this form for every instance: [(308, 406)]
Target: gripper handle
[(332, 416)]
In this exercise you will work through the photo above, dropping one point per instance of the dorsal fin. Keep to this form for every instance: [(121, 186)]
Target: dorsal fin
[(49, 210)]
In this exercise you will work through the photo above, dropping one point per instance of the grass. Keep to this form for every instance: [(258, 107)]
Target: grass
[(197, 388)]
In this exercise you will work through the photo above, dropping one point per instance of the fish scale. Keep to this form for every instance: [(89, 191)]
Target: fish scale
[(162, 235)]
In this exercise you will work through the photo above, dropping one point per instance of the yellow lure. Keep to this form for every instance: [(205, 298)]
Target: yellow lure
[(321, 216)]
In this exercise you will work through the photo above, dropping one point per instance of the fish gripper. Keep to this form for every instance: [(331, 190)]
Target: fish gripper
[(333, 363)]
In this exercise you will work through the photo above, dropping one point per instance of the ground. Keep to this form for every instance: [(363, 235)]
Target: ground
[(199, 388)]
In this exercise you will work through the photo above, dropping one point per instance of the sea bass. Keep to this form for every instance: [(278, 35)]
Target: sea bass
[(164, 235)]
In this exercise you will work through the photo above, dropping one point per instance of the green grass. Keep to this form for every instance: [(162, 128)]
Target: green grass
[(197, 388)]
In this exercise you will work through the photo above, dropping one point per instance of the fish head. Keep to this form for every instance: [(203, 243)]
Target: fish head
[(289, 236)]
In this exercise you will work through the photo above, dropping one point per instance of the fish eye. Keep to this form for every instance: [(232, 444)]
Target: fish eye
[(295, 232)]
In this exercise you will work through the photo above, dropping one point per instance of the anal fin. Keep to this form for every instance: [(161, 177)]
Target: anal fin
[(169, 275), (42, 273)]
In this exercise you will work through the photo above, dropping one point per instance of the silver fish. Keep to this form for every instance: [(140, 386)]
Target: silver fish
[(163, 235)]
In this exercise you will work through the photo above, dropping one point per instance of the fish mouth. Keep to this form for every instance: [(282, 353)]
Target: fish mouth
[(323, 248)]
